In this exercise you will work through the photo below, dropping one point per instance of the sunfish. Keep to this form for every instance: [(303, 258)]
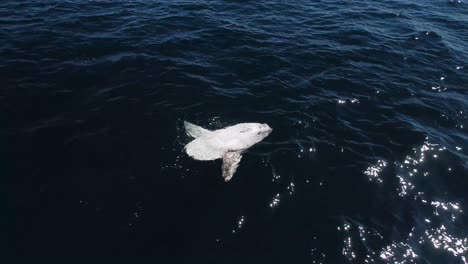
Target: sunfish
[(228, 143)]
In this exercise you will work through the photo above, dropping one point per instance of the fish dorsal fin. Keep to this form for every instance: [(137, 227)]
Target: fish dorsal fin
[(230, 163), (194, 130)]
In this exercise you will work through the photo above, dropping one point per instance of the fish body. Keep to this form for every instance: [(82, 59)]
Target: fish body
[(227, 143)]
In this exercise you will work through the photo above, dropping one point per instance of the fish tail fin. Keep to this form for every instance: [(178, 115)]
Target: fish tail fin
[(194, 130)]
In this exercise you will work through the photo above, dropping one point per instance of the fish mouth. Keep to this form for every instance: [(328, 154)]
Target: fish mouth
[(268, 128)]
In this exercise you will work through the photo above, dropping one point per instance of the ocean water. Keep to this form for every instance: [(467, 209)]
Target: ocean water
[(367, 162)]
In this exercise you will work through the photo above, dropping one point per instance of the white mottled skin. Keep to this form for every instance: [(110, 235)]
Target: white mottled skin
[(227, 143)]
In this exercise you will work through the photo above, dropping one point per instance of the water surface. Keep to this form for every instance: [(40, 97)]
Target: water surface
[(367, 162)]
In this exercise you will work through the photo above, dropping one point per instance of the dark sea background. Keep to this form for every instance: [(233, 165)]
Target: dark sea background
[(367, 162)]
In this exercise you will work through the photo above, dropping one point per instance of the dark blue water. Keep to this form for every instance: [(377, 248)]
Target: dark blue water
[(367, 162)]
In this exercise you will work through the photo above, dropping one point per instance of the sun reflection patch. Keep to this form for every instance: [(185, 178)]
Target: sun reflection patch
[(436, 223), (441, 239), (275, 202), (374, 171)]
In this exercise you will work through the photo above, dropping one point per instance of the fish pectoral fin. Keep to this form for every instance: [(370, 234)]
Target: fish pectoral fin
[(230, 163)]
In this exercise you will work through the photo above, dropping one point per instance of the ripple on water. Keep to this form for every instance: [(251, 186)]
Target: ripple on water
[(97, 89)]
